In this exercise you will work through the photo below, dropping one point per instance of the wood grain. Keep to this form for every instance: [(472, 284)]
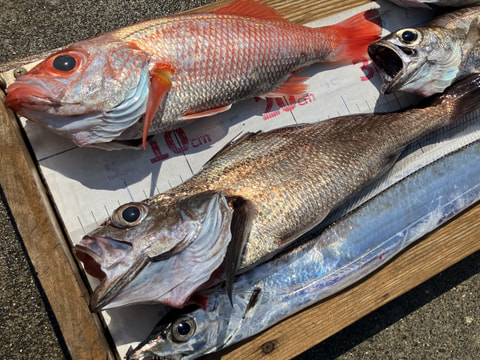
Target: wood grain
[(46, 245), (58, 273)]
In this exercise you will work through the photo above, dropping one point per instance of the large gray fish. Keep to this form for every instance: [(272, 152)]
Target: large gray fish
[(427, 3), (426, 60), (332, 260), (278, 185)]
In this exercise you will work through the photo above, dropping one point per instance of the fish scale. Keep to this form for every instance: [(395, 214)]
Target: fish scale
[(198, 65), (297, 180), (335, 258), (301, 173)]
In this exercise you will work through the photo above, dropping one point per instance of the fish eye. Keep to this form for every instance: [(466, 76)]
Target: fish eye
[(129, 215), (183, 329), (409, 36), (64, 62)]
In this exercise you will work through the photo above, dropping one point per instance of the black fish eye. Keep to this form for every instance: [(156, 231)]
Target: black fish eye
[(64, 62), (129, 215), (409, 36), (183, 329)]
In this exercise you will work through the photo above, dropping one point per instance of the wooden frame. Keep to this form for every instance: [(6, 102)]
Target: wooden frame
[(84, 332)]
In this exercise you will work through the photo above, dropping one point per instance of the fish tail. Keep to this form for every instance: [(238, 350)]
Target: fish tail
[(355, 34), (461, 98)]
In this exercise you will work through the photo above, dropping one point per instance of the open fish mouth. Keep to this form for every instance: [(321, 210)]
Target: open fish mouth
[(90, 261), (392, 64), (101, 257), (92, 251)]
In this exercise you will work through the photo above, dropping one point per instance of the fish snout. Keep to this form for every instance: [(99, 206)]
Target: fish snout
[(24, 95), (97, 253)]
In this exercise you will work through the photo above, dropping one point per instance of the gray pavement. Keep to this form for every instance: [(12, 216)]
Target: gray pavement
[(438, 320)]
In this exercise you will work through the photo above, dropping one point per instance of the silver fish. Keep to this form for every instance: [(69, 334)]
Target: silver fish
[(338, 257), (426, 60), (279, 185)]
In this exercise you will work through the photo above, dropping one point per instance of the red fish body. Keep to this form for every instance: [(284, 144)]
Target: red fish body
[(178, 68)]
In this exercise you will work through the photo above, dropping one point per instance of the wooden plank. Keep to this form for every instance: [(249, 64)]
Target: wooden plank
[(46, 244), (64, 286)]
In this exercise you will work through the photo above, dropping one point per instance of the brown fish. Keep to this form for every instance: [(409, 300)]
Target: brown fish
[(278, 185)]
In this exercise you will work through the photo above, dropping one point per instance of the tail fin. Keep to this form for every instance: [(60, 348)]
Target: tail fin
[(463, 96), (357, 32)]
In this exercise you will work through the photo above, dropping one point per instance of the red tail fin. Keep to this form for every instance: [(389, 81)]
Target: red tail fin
[(357, 33)]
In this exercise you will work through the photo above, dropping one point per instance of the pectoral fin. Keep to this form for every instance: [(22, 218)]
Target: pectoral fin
[(243, 214), (161, 82)]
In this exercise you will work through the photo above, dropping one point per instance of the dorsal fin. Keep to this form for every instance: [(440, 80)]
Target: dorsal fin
[(251, 8)]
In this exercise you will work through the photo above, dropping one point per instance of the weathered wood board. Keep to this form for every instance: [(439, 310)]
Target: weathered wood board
[(41, 230)]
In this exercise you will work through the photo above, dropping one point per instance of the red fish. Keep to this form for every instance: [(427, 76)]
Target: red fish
[(157, 74)]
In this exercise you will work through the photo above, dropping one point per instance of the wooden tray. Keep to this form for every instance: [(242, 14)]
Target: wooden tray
[(84, 332)]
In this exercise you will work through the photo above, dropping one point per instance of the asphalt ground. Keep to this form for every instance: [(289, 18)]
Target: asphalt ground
[(440, 319)]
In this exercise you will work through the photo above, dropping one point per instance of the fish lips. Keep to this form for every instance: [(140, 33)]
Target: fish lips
[(92, 252), (108, 260), (394, 63), (166, 342), (112, 262), (22, 95)]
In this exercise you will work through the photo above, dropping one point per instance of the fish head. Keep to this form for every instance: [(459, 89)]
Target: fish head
[(178, 335), (422, 60), (190, 332), (156, 251), (90, 92)]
